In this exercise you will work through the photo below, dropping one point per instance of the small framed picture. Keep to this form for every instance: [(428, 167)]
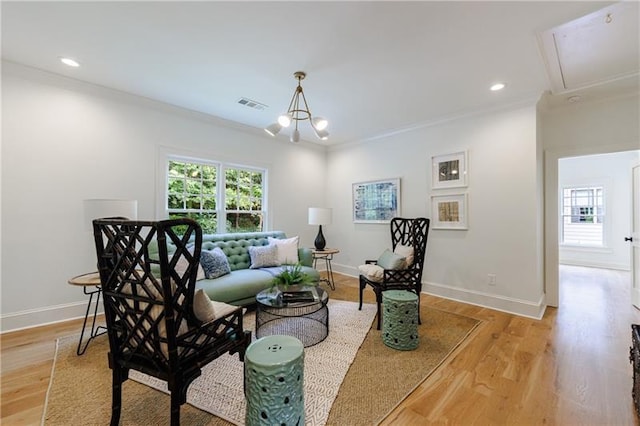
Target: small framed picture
[(449, 211), (449, 171)]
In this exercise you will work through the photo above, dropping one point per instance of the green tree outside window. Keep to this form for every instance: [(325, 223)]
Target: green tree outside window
[(192, 192)]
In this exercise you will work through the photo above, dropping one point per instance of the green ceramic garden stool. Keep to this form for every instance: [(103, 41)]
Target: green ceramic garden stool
[(400, 319), (273, 381)]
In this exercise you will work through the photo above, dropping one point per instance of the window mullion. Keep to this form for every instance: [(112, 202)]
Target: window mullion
[(221, 199)]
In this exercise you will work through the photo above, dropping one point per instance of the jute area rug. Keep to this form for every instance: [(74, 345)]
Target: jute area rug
[(377, 380)]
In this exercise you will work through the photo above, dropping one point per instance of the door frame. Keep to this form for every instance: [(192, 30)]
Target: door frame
[(635, 235), (551, 209)]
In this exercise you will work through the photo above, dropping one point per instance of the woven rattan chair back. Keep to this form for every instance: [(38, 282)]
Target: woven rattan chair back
[(148, 303), (408, 232)]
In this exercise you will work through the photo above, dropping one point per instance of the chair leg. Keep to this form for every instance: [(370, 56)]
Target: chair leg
[(363, 284), (116, 396), (246, 341), (175, 408)]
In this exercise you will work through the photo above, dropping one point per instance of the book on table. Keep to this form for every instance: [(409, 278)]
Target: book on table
[(298, 296)]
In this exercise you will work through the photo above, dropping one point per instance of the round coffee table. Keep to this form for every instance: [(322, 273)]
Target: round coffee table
[(300, 312)]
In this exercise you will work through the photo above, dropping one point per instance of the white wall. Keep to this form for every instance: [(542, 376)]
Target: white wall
[(504, 235), (587, 128), (65, 141), (614, 172)]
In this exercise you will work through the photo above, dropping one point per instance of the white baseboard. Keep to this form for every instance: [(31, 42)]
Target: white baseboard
[(345, 269), (510, 305), (591, 264), (42, 316), (59, 313)]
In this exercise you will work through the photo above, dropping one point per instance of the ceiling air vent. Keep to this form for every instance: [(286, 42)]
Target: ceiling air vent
[(252, 104)]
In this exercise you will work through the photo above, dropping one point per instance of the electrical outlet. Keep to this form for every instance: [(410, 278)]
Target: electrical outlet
[(491, 279)]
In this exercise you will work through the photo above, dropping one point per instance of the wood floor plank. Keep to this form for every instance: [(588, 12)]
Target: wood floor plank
[(570, 367)]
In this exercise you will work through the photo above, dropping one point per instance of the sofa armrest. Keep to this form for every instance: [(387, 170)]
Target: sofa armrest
[(306, 257)]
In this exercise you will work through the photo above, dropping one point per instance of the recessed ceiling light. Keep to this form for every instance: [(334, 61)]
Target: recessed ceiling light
[(497, 86), (70, 62)]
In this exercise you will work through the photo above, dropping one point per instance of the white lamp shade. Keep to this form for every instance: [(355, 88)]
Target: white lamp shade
[(295, 136), (284, 120), (319, 123), (321, 134), (319, 216), (101, 208), (273, 129)]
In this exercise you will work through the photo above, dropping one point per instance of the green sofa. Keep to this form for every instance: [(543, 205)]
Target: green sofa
[(242, 284)]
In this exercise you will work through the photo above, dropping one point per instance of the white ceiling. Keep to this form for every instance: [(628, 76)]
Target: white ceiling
[(373, 68)]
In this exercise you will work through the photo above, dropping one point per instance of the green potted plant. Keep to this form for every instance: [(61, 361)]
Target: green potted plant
[(291, 275)]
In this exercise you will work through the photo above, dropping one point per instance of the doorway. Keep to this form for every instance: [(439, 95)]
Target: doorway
[(595, 210), (552, 209)]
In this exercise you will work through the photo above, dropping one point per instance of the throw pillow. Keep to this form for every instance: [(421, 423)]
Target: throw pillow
[(263, 256), (371, 271), (214, 263), (390, 260), (287, 250), (207, 310), (183, 264), (406, 252)]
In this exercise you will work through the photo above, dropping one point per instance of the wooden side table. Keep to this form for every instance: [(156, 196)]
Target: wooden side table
[(327, 256), (86, 281)]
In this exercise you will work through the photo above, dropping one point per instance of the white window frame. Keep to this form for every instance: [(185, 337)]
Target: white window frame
[(604, 222), (165, 156), (221, 190)]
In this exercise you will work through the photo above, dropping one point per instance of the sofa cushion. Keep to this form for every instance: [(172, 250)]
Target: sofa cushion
[(214, 263), (236, 245), (287, 250), (262, 257), (241, 286), (373, 272), (207, 310)]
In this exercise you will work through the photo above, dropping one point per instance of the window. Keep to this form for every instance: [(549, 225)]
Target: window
[(243, 200), (221, 198), (583, 216)]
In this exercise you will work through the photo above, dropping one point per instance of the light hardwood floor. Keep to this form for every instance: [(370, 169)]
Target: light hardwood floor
[(572, 367)]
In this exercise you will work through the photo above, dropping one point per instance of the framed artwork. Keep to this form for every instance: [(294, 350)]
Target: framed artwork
[(376, 201), (449, 211), (449, 171)]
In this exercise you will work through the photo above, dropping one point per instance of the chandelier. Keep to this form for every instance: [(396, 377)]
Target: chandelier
[(299, 110)]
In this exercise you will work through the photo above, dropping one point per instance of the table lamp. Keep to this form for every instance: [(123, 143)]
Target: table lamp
[(319, 216)]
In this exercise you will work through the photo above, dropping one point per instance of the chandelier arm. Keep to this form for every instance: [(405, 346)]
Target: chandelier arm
[(296, 106), (293, 98), (306, 107)]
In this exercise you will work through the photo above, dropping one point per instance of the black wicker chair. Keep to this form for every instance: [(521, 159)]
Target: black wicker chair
[(148, 304), (409, 232)]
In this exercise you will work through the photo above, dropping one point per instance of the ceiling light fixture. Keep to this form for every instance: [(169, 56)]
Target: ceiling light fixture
[(497, 86), (70, 62), (298, 111)]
